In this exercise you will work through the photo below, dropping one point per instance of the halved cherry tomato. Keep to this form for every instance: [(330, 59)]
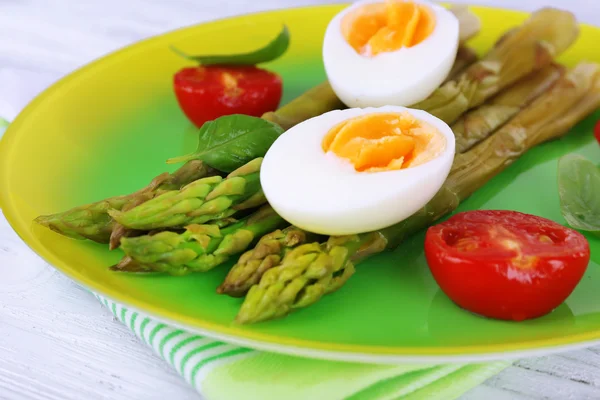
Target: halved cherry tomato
[(206, 93), (597, 131), (506, 264)]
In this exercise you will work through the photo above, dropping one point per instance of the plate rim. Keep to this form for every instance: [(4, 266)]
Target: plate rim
[(257, 340)]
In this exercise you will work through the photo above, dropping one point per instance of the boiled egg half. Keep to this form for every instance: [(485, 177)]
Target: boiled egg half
[(389, 52), (357, 170)]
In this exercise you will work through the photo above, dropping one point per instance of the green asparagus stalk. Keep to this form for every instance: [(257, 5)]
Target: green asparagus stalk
[(303, 277), (315, 101), (546, 34), (529, 128), (128, 264), (201, 201), (477, 124), (91, 221), (119, 231), (188, 173), (306, 275), (199, 248), (267, 253)]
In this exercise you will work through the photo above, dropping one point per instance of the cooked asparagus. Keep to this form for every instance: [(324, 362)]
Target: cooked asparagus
[(128, 264), (546, 34), (548, 117), (477, 124), (530, 127), (315, 101), (201, 201), (198, 249), (267, 253), (119, 231), (91, 221)]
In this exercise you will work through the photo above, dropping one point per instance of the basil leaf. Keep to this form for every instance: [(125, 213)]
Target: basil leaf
[(579, 192), (270, 52), (231, 141)]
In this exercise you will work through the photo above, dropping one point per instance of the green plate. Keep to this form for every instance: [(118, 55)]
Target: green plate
[(108, 128)]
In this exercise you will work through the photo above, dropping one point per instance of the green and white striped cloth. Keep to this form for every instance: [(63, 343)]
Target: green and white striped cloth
[(221, 371)]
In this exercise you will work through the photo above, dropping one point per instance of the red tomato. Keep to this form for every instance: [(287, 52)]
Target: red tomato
[(206, 93), (505, 264), (597, 131)]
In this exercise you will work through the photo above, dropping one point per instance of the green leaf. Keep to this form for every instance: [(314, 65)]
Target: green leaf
[(231, 141), (579, 191), (270, 52)]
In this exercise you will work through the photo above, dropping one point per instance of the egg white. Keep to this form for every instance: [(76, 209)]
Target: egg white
[(322, 193), (402, 77)]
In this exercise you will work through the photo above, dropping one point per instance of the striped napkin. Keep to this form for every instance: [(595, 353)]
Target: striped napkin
[(221, 371)]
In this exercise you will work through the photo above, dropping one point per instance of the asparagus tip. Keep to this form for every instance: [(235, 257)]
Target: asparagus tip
[(253, 309), (243, 318), (128, 264), (43, 220), (231, 290)]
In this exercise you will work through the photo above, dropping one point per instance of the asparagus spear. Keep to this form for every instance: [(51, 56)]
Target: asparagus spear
[(530, 127), (477, 124), (128, 264), (119, 231), (295, 283), (198, 249), (315, 101), (267, 253), (201, 201), (546, 34), (189, 172), (91, 221)]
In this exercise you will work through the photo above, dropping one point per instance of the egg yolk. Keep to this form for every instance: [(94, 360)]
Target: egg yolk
[(382, 27), (384, 141)]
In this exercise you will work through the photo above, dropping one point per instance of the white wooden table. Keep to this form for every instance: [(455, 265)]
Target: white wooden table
[(56, 341)]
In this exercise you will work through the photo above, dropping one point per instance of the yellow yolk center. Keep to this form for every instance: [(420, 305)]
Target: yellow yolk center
[(384, 141), (383, 27)]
